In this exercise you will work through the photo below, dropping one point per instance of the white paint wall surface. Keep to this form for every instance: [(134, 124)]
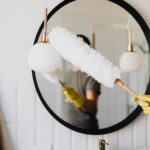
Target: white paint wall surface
[(30, 126)]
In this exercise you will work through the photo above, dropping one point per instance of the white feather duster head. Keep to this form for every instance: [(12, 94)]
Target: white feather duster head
[(74, 50)]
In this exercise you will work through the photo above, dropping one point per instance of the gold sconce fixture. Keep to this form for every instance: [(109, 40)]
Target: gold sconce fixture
[(43, 57), (130, 61)]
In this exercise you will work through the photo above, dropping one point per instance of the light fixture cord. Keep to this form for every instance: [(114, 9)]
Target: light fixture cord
[(94, 38), (45, 20), (130, 46), (45, 34)]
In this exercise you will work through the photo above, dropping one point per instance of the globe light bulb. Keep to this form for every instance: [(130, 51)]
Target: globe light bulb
[(44, 58), (130, 62)]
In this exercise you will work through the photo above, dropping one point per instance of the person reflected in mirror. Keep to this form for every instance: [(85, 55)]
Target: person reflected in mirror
[(82, 91)]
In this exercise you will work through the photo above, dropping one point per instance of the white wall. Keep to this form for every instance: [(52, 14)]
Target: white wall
[(30, 126)]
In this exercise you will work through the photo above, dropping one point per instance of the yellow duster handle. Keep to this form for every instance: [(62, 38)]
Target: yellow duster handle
[(124, 86)]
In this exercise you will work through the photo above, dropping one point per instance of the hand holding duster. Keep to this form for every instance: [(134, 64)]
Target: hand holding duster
[(144, 102), (73, 96), (90, 61)]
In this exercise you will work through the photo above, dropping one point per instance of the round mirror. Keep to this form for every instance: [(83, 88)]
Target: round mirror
[(105, 26)]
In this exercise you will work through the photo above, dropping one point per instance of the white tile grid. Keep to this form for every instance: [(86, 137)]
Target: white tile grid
[(40, 131), (8, 101), (125, 138), (62, 137), (42, 113), (26, 135), (45, 134), (12, 133), (79, 143), (140, 132), (25, 104)]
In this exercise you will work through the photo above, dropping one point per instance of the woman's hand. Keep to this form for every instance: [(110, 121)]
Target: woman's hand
[(144, 102), (73, 96)]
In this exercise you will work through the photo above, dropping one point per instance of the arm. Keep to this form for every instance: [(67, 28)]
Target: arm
[(87, 104), (92, 92), (90, 102)]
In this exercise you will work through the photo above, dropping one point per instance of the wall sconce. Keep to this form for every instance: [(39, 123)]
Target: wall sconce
[(130, 61), (42, 56)]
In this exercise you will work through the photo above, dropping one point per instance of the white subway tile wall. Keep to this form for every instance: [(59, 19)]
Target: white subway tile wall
[(140, 130), (25, 103), (29, 125), (125, 140), (26, 135), (79, 143), (45, 134)]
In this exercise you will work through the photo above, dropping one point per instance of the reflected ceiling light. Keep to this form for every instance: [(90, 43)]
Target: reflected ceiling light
[(42, 56), (130, 61)]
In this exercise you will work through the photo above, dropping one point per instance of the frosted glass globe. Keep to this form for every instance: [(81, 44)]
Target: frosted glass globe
[(44, 58), (130, 62)]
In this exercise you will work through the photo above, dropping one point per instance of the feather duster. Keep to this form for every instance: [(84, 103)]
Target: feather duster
[(90, 61)]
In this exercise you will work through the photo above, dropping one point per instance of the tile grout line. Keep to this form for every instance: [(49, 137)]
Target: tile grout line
[(16, 97), (118, 140), (71, 140), (35, 119), (53, 135), (147, 132), (88, 143), (132, 137), (146, 127)]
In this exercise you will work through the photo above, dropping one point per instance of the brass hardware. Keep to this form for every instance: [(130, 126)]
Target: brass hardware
[(45, 33), (124, 86), (93, 39), (44, 37), (130, 46), (102, 144)]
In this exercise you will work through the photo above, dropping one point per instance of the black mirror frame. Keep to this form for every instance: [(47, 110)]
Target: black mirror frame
[(136, 112)]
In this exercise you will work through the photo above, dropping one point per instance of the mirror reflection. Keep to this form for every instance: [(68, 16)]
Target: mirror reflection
[(84, 102)]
